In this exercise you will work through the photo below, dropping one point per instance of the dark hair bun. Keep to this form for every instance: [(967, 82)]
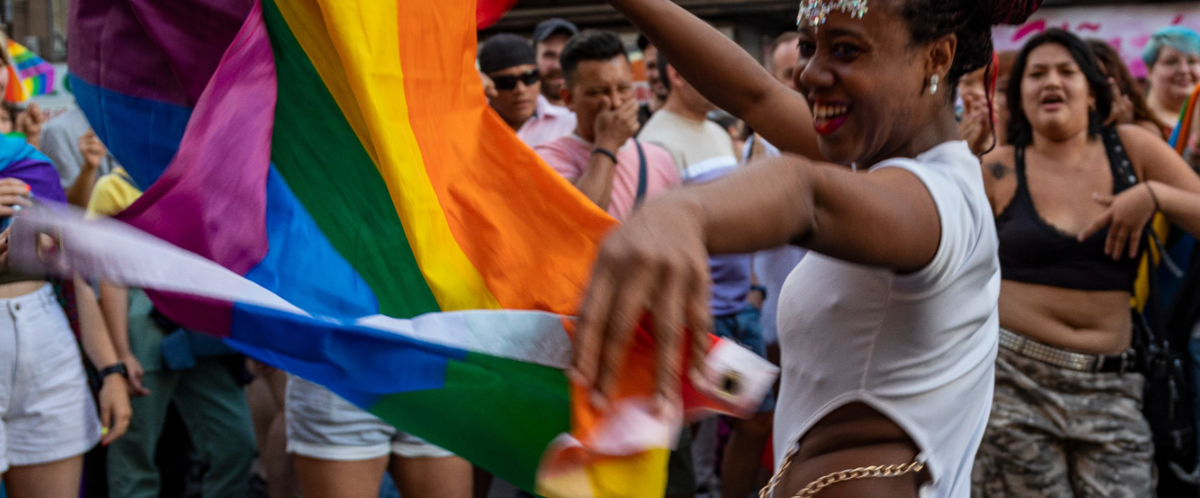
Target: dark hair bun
[(1011, 11)]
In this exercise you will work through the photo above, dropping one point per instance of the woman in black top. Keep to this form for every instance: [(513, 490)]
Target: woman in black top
[(1072, 199)]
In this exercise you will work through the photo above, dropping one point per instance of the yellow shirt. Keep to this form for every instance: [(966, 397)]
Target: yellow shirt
[(112, 194)]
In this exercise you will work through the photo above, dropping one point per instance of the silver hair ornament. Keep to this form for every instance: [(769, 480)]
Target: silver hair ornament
[(817, 11)]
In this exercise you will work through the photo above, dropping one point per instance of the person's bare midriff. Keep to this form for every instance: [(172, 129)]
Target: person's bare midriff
[(1083, 321)]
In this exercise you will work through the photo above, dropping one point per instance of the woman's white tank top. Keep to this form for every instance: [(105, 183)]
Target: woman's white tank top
[(918, 348)]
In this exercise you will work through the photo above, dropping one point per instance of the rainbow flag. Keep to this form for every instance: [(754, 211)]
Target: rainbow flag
[(35, 74), (383, 231)]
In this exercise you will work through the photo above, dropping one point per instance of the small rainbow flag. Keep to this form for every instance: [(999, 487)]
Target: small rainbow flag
[(35, 74), (394, 239)]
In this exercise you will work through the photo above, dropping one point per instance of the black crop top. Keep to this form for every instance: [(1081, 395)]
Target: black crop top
[(1034, 252)]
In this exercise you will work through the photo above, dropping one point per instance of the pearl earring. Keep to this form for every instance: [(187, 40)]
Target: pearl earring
[(933, 83)]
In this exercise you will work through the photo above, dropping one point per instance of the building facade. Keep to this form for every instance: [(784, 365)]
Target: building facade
[(752, 23)]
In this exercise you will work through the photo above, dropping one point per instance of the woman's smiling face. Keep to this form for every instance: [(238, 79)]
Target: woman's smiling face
[(864, 81), (1175, 73)]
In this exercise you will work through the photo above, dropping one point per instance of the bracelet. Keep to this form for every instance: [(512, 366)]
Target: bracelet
[(759, 288), (609, 153), (117, 368), (1152, 196)]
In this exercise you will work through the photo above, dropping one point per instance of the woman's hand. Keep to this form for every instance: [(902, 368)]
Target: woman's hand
[(976, 125), (115, 411), (1126, 216), (1122, 106), (14, 196), (657, 262), (92, 149), (136, 374), (30, 123)]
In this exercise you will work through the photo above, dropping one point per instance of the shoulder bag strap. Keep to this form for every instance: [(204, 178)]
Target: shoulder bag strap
[(641, 188)]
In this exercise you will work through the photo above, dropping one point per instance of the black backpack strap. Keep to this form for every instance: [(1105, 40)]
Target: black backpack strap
[(641, 188), (1118, 160)]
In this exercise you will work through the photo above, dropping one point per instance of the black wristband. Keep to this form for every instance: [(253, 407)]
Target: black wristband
[(117, 368), (609, 153), (759, 288)]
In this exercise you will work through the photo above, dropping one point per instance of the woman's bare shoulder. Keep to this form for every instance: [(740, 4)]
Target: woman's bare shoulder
[(1135, 136), (1149, 126)]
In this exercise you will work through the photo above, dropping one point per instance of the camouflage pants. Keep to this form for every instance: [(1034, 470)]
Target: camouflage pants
[(1060, 433)]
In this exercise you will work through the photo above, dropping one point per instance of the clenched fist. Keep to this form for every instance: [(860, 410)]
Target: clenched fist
[(30, 123), (92, 149)]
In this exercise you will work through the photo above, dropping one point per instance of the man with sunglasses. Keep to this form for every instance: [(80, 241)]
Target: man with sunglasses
[(510, 62)]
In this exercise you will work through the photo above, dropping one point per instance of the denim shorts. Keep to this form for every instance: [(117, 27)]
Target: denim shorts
[(745, 328), (46, 408), (322, 425)]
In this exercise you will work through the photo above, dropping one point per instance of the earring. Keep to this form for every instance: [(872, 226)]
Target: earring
[(933, 83)]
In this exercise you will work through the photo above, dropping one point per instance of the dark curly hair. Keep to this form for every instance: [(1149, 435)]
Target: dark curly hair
[(1020, 131), (589, 45), (971, 21)]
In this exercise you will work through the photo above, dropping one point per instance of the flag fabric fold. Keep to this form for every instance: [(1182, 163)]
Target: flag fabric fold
[(343, 204)]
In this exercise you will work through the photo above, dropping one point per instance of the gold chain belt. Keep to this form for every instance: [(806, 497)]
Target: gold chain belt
[(874, 471)]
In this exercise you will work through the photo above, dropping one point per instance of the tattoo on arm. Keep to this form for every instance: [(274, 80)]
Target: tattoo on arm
[(999, 170)]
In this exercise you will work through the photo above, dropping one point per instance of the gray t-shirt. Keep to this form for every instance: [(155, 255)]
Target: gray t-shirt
[(60, 142), (699, 147)]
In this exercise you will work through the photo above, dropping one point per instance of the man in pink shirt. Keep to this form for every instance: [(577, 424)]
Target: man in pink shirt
[(601, 157)]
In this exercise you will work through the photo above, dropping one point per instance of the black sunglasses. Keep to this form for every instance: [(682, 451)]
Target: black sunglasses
[(510, 82)]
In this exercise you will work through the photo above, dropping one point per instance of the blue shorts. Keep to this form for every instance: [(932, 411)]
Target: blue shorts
[(745, 328)]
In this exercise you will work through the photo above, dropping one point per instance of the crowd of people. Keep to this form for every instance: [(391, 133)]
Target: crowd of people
[(939, 245)]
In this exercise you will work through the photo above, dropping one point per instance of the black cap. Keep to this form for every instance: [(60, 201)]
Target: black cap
[(503, 51), (551, 27)]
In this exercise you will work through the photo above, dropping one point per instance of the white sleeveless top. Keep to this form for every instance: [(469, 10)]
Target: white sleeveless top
[(918, 348)]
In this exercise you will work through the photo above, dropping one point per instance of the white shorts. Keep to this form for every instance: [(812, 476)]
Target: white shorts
[(46, 408), (322, 425)]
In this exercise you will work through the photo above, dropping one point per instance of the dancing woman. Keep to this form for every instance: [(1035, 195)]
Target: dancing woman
[(889, 329), (1072, 199)]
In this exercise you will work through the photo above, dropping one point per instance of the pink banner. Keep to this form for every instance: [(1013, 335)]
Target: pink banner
[(1127, 28)]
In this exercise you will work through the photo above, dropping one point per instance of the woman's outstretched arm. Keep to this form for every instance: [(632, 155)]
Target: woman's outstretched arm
[(657, 262)]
